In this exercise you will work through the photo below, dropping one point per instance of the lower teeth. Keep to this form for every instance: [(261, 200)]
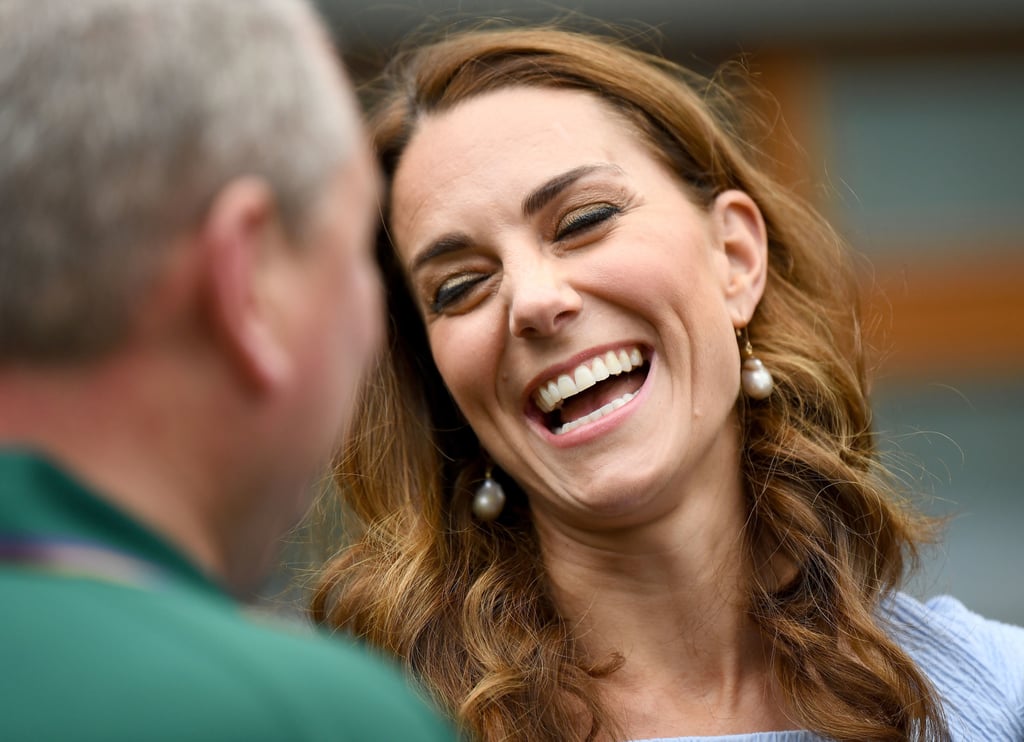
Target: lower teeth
[(595, 415)]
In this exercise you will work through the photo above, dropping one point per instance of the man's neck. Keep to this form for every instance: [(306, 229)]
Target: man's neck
[(115, 428)]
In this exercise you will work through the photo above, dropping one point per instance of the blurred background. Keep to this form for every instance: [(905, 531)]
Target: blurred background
[(904, 122)]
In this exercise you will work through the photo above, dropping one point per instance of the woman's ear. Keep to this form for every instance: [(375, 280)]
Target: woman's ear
[(743, 238)]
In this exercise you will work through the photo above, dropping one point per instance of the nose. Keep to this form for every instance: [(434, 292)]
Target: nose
[(542, 300)]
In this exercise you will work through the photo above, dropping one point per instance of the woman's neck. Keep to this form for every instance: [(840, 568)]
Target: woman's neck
[(671, 597)]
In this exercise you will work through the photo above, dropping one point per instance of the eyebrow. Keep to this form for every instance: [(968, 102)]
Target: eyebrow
[(534, 202), (543, 195), (452, 242)]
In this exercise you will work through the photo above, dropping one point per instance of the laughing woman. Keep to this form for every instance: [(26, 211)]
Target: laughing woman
[(615, 475)]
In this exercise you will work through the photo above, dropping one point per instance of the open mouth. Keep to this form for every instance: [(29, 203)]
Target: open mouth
[(592, 390)]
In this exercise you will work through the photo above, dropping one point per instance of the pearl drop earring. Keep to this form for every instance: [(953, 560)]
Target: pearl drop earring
[(757, 381), (489, 500)]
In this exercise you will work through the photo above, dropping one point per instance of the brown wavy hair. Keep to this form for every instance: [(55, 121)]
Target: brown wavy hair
[(466, 604)]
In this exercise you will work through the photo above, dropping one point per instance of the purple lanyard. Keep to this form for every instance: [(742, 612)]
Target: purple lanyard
[(79, 559)]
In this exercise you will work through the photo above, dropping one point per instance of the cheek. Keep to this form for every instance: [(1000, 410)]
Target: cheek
[(359, 303), (716, 366), (688, 310), (358, 324), (466, 356), (367, 309)]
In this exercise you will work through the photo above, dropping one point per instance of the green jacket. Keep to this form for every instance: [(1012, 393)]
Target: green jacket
[(108, 633)]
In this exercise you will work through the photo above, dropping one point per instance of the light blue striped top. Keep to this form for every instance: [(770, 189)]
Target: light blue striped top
[(976, 665)]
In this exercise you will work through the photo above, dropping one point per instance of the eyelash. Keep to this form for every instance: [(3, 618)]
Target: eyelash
[(454, 289), (583, 219)]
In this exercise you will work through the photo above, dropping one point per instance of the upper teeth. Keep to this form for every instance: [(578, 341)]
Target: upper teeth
[(553, 392)]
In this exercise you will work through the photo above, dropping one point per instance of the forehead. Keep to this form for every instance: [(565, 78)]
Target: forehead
[(503, 143)]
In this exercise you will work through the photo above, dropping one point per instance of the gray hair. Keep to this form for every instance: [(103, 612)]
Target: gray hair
[(120, 120)]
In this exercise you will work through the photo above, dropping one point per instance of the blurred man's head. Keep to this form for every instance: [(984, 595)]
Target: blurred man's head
[(185, 184), (122, 119)]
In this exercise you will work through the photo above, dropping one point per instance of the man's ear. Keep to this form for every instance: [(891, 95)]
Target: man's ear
[(240, 238), (743, 237)]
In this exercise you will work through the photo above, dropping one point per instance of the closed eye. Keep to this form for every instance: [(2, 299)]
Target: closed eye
[(581, 220), (455, 288)]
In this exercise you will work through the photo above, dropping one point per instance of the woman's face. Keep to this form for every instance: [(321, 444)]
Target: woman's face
[(579, 306)]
